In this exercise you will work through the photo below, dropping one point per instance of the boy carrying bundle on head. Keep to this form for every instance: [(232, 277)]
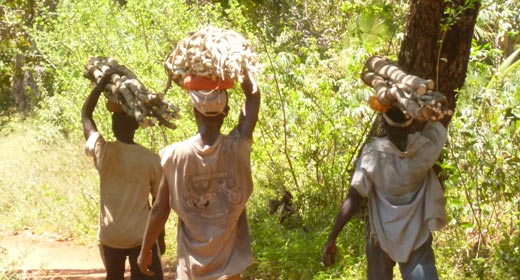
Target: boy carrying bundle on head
[(405, 199), (207, 182)]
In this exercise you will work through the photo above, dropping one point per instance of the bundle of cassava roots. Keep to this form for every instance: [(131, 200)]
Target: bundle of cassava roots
[(126, 93), (413, 95), (214, 54)]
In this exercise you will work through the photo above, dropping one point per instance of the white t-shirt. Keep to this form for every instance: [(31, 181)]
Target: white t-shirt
[(128, 174), (405, 197), (209, 188)]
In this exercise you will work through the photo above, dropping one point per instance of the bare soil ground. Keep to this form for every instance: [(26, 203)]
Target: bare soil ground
[(29, 256)]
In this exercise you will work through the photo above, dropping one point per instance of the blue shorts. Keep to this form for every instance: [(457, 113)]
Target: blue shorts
[(420, 265)]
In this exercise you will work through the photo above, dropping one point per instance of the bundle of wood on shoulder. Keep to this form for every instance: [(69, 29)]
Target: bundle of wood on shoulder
[(212, 53), (410, 93), (126, 93)]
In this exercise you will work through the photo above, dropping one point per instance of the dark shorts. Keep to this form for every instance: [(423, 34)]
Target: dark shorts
[(114, 260), (420, 265)]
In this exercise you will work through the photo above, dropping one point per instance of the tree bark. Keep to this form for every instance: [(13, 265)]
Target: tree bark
[(433, 52), (437, 46), (18, 91)]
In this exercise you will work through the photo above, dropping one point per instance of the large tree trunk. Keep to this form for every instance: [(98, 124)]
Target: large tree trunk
[(434, 49), (18, 86), (433, 52), (23, 85)]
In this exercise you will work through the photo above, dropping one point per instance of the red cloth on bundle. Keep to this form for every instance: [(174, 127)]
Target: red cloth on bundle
[(193, 82)]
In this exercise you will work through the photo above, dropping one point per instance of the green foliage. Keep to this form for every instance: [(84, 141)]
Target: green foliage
[(482, 191), (500, 16), (13, 40), (48, 184), (292, 249), (312, 124)]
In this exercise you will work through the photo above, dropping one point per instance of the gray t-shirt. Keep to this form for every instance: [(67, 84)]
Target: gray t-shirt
[(405, 197), (209, 188)]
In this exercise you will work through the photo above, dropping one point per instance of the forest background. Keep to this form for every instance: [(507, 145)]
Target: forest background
[(314, 119)]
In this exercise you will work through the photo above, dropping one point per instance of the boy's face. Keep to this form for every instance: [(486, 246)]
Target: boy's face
[(203, 119), (209, 103)]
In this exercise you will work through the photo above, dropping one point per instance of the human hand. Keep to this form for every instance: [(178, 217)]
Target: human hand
[(329, 253), (249, 85), (433, 107), (144, 261), (107, 74)]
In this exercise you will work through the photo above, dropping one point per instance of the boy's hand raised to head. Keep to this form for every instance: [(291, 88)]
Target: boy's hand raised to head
[(249, 85)]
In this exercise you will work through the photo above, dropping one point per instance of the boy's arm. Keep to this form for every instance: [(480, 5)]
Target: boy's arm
[(156, 221), (348, 209), (160, 240), (249, 113), (435, 132), (89, 126), (437, 135), (154, 193)]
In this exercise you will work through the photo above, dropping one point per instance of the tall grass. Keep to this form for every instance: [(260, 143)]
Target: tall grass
[(46, 186)]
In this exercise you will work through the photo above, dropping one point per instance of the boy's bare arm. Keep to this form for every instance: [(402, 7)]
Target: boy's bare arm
[(155, 226), (89, 126), (249, 113), (348, 209)]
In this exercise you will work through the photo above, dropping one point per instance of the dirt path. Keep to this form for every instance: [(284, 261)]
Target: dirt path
[(24, 255)]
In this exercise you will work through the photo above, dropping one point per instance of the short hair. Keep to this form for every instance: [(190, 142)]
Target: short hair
[(122, 121)]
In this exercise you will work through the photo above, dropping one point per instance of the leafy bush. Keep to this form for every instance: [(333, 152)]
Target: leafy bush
[(312, 124)]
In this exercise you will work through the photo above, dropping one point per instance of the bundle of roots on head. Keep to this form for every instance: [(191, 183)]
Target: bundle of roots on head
[(394, 87), (213, 53), (126, 93)]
